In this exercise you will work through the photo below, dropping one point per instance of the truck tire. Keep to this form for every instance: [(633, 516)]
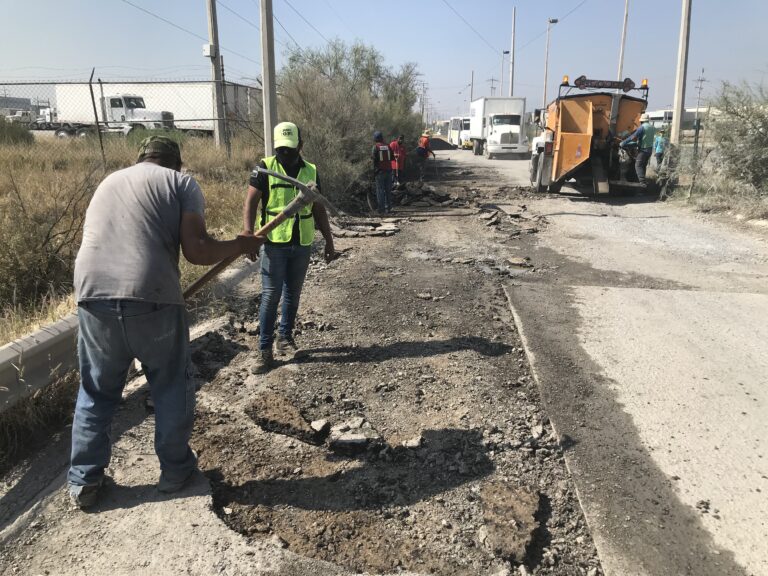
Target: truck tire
[(83, 132), (538, 186), (487, 153), (475, 147), (63, 133), (534, 167)]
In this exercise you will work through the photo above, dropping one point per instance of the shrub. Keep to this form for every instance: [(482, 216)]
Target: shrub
[(338, 96), (14, 133)]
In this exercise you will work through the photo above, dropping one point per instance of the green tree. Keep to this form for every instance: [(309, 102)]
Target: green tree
[(338, 95)]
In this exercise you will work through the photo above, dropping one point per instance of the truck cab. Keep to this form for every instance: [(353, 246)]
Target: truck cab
[(130, 109), (504, 135)]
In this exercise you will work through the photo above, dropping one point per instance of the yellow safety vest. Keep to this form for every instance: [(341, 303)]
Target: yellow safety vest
[(281, 193)]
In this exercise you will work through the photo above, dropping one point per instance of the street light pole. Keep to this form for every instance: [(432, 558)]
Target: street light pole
[(550, 21), (623, 40), (512, 55), (501, 82)]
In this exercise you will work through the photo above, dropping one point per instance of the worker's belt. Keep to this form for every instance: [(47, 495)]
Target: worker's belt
[(302, 216), (282, 185)]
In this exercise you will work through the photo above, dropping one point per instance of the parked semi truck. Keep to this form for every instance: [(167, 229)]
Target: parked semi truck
[(581, 131), (186, 106), (117, 111), (496, 126)]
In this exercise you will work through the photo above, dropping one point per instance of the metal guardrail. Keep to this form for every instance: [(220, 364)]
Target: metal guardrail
[(30, 363)]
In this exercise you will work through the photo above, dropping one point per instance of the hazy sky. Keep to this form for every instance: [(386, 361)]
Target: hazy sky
[(63, 39)]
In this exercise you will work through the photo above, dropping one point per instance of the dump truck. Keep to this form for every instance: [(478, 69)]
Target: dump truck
[(581, 132)]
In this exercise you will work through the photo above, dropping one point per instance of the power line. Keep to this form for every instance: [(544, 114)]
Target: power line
[(531, 41), (228, 9), (298, 46), (327, 3), (307, 21), (158, 17), (495, 50)]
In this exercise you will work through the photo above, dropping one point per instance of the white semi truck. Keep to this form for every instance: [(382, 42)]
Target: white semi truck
[(185, 106), (116, 110), (496, 126)]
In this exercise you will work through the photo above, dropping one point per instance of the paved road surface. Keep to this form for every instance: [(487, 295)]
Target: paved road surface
[(648, 329)]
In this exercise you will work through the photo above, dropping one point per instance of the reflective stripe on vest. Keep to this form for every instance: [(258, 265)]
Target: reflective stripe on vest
[(649, 133), (384, 157), (280, 195)]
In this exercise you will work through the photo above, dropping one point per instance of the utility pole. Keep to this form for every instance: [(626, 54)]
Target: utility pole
[(678, 110), (492, 80), (269, 92), (214, 53), (501, 82), (550, 21), (623, 41), (423, 102), (512, 55), (472, 87), (700, 86)]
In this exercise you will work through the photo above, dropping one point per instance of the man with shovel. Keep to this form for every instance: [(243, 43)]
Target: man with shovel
[(130, 306), (285, 255), (397, 147)]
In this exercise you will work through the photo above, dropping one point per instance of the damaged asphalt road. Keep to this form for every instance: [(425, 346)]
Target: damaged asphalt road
[(415, 437)]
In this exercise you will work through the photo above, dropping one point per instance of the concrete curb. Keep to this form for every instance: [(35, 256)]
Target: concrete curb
[(27, 364)]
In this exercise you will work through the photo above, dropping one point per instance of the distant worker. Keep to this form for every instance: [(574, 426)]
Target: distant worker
[(644, 136), (659, 146), (382, 172), (423, 151), (285, 255), (130, 306), (397, 147)]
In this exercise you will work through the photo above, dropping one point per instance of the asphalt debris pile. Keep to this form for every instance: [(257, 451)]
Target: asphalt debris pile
[(423, 195)]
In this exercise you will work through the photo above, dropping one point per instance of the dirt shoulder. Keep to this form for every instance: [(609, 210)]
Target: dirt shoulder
[(442, 459)]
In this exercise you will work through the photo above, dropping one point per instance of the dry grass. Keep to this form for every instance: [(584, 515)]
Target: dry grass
[(44, 191), (29, 423)]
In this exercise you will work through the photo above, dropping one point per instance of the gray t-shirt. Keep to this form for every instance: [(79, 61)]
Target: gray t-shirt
[(131, 236)]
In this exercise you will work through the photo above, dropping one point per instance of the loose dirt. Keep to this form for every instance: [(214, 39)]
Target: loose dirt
[(410, 346), (418, 343)]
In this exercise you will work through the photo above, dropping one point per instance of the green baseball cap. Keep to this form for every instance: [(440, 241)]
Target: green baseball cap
[(160, 146), (286, 135)]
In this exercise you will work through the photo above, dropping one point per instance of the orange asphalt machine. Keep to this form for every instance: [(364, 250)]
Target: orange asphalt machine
[(581, 133)]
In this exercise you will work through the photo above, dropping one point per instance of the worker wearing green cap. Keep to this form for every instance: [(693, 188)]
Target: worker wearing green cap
[(286, 252), (130, 306)]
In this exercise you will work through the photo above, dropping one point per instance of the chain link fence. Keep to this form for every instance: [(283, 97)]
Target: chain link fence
[(70, 109)]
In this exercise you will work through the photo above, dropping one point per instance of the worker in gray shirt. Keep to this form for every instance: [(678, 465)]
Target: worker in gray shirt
[(131, 306)]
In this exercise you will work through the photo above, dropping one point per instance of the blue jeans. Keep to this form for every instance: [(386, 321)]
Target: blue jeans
[(283, 269), (384, 191), (111, 334)]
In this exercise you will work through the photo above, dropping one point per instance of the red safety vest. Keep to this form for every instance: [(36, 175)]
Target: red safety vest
[(383, 157)]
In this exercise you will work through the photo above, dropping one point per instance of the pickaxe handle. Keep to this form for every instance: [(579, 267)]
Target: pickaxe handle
[(307, 194)]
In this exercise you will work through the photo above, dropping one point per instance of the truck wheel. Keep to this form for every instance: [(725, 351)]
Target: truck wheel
[(62, 133), (539, 173), (487, 153), (534, 168), (475, 147), (83, 132), (556, 187)]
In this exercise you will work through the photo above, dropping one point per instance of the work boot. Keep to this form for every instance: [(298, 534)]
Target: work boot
[(85, 497), (286, 346), (167, 486), (265, 361)]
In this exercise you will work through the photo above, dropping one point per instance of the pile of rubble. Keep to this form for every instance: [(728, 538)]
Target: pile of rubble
[(422, 195)]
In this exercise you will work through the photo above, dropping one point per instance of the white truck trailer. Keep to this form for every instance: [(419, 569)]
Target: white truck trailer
[(185, 106), (496, 126)]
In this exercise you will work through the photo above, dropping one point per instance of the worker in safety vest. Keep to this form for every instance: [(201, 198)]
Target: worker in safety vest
[(382, 172), (644, 136), (285, 255), (423, 151), (397, 147)]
